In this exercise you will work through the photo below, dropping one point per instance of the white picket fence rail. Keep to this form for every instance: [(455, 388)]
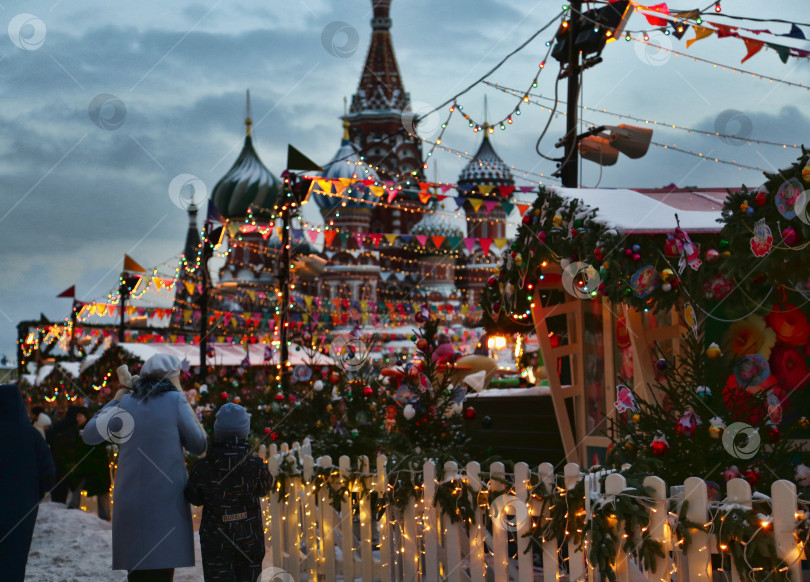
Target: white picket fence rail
[(309, 539)]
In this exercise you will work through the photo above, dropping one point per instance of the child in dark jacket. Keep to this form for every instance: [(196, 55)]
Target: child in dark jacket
[(229, 483)]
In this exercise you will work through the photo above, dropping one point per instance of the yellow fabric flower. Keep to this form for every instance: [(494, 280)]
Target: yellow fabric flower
[(750, 336)]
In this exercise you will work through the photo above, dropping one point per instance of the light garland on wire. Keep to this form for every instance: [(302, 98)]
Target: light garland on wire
[(689, 130)]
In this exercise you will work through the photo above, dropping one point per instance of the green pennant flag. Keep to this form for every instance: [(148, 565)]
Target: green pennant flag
[(781, 50), (508, 207)]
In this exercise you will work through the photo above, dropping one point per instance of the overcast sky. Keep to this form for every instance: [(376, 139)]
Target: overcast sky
[(84, 183)]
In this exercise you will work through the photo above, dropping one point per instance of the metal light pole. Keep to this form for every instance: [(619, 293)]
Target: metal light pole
[(570, 166), (211, 240)]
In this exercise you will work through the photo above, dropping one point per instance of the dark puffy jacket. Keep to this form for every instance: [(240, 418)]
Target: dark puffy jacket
[(228, 483)]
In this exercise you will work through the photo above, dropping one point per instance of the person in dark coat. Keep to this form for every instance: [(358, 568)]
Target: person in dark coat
[(67, 450), (91, 473), (27, 469), (152, 532), (229, 484)]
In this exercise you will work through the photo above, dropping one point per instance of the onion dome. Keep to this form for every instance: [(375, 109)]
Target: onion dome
[(247, 185), (437, 224), (485, 169), (346, 164)]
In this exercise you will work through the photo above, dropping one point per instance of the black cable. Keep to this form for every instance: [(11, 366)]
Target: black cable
[(495, 68)]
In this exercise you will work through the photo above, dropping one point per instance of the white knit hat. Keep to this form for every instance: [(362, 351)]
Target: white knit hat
[(161, 366)]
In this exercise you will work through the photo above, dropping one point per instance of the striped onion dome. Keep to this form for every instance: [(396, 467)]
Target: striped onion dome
[(247, 185), (346, 163), (436, 224), (485, 169)]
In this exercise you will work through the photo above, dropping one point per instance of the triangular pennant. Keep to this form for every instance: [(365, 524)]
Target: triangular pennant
[(132, 266), (701, 32), (313, 235), (522, 208), (377, 190), (506, 191), (391, 195), (359, 237), (344, 238), (424, 197), (422, 239), (782, 51), (189, 287), (475, 203), (490, 204), (486, 190), (376, 238), (655, 20), (527, 188), (391, 238), (328, 236), (723, 30), (470, 243), (406, 238), (445, 187), (437, 240), (485, 244), (753, 47), (508, 207), (460, 200), (454, 241), (499, 242), (70, 292)]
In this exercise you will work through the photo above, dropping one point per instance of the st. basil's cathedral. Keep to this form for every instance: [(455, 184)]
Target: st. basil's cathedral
[(356, 277)]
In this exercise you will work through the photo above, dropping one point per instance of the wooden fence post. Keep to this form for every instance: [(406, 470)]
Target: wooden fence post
[(346, 525), (500, 551), (367, 560), (477, 560), (410, 552), (615, 484), (309, 510), (327, 521), (784, 509), (523, 519), (699, 562), (739, 492), (431, 531), (452, 561), (550, 561), (274, 507), (657, 529), (576, 570), (384, 525)]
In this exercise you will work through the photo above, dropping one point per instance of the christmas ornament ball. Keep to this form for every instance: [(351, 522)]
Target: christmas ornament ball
[(368, 391), (224, 395), (661, 364), (279, 397), (804, 422), (469, 413), (267, 430), (715, 431), (659, 447), (487, 422), (334, 377), (421, 344), (636, 418), (713, 351), (317, 386)]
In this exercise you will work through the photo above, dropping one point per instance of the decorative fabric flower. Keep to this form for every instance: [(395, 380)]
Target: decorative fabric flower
[(750, 336), (744, 404), (789, 367), (789, 323)]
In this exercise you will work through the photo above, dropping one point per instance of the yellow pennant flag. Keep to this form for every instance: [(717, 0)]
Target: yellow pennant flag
[(476, 203), (158, 283), (189, 287), (251, 294), (701, 32), (377, 190), (485, 189), (499, 242), (391, 238), (186, 314)]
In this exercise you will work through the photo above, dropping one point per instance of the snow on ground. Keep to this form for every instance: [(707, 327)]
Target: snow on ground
[(71, 545)]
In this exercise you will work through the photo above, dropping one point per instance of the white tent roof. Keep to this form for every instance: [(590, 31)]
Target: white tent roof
[(72, 368), (298, 356), (643, 213)]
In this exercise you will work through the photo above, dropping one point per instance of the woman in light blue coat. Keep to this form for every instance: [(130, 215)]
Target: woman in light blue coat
[(152, 424)]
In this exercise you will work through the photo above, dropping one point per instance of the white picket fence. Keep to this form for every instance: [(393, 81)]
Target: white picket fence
[(311, 540)]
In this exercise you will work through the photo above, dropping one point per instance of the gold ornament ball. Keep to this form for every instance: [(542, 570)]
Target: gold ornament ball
[(713, 352), (636, 418), (629, 447), (804, 422), (667, 275), (715, 432), (612, 521)]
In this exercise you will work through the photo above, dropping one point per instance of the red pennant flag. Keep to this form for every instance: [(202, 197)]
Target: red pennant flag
[(313, 235), (437, 240), (424, 197), (376, 238), (359, 236), (655, 20), (522, 208), (69, 292), (132, 266), (391, 195), (328, 236), (424, 185), (490, 204), (485, 244), (753, 46), (506, 190), (724, 30)]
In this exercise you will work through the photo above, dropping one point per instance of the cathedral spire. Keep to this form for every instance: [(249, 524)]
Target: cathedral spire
[(380, 87)]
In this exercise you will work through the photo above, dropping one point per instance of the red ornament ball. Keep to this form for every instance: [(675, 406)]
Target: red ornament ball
[(421, 344), (334, 377), (224, 395), (773, 434), (752, 475), (273, 436), (368, 391), (527, 219), (279, 397), (492, 281), (761, 199), (266, 430), (659, 447), (469, 413)]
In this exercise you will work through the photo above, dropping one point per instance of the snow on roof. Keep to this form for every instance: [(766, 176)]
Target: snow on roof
[(72, 368), (297, 356), (88, 361), (652, 211)]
